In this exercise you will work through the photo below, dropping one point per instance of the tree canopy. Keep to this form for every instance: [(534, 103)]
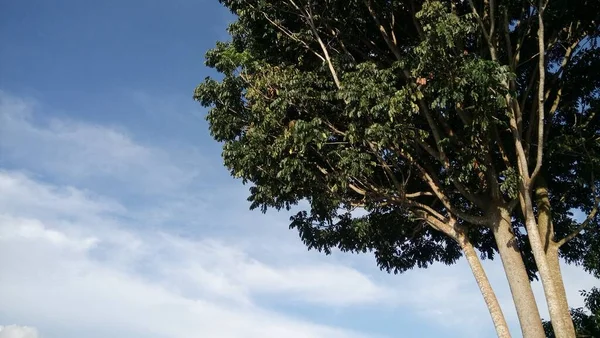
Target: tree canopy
[(438, 120)]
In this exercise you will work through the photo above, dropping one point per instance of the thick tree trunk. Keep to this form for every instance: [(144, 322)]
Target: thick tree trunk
[(561, 294), (516, 274), (562, 323), (546, 230), (486, 288)]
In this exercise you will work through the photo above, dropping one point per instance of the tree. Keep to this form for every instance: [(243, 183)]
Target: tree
[(455, 126)]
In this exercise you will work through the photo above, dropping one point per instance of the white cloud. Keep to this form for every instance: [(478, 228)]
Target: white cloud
[(15, 331), (306, 281), (53, 267), (50, 200), (80, 293)]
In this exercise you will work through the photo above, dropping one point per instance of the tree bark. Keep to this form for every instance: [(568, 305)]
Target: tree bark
[(561, 294), (546, 229), (562, 323), (516, 274), (486, 288)]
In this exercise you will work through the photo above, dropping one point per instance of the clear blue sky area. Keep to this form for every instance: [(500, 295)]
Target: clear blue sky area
[(117, 218)]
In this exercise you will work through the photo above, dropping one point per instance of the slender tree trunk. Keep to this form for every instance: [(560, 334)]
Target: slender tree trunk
[(486, 288), (516, 274), (546, 230)]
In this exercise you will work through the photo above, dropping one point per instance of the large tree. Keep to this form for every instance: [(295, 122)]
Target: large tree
[(454, 126)]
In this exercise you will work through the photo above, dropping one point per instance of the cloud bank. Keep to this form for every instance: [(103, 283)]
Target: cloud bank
[(57, 263)]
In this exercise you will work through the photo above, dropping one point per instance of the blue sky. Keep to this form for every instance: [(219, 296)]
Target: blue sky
[(117, 218)]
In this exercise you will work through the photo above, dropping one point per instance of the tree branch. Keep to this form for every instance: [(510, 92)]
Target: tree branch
[(486, 35), (424, 207), (393, 47), (418, 194), (583, 225), (517, 54), (437, 190), (413, 13), (493, 24), (325, 52), (589, 217), (461, 188), (541, 92), (563, 64), (309, 18), (289, 34)]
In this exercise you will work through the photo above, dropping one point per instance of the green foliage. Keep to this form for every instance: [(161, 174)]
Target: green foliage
[(412, 121)]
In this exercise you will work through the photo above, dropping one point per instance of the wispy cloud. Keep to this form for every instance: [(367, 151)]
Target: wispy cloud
[(55, 266), (83, 152), (312, 282)]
